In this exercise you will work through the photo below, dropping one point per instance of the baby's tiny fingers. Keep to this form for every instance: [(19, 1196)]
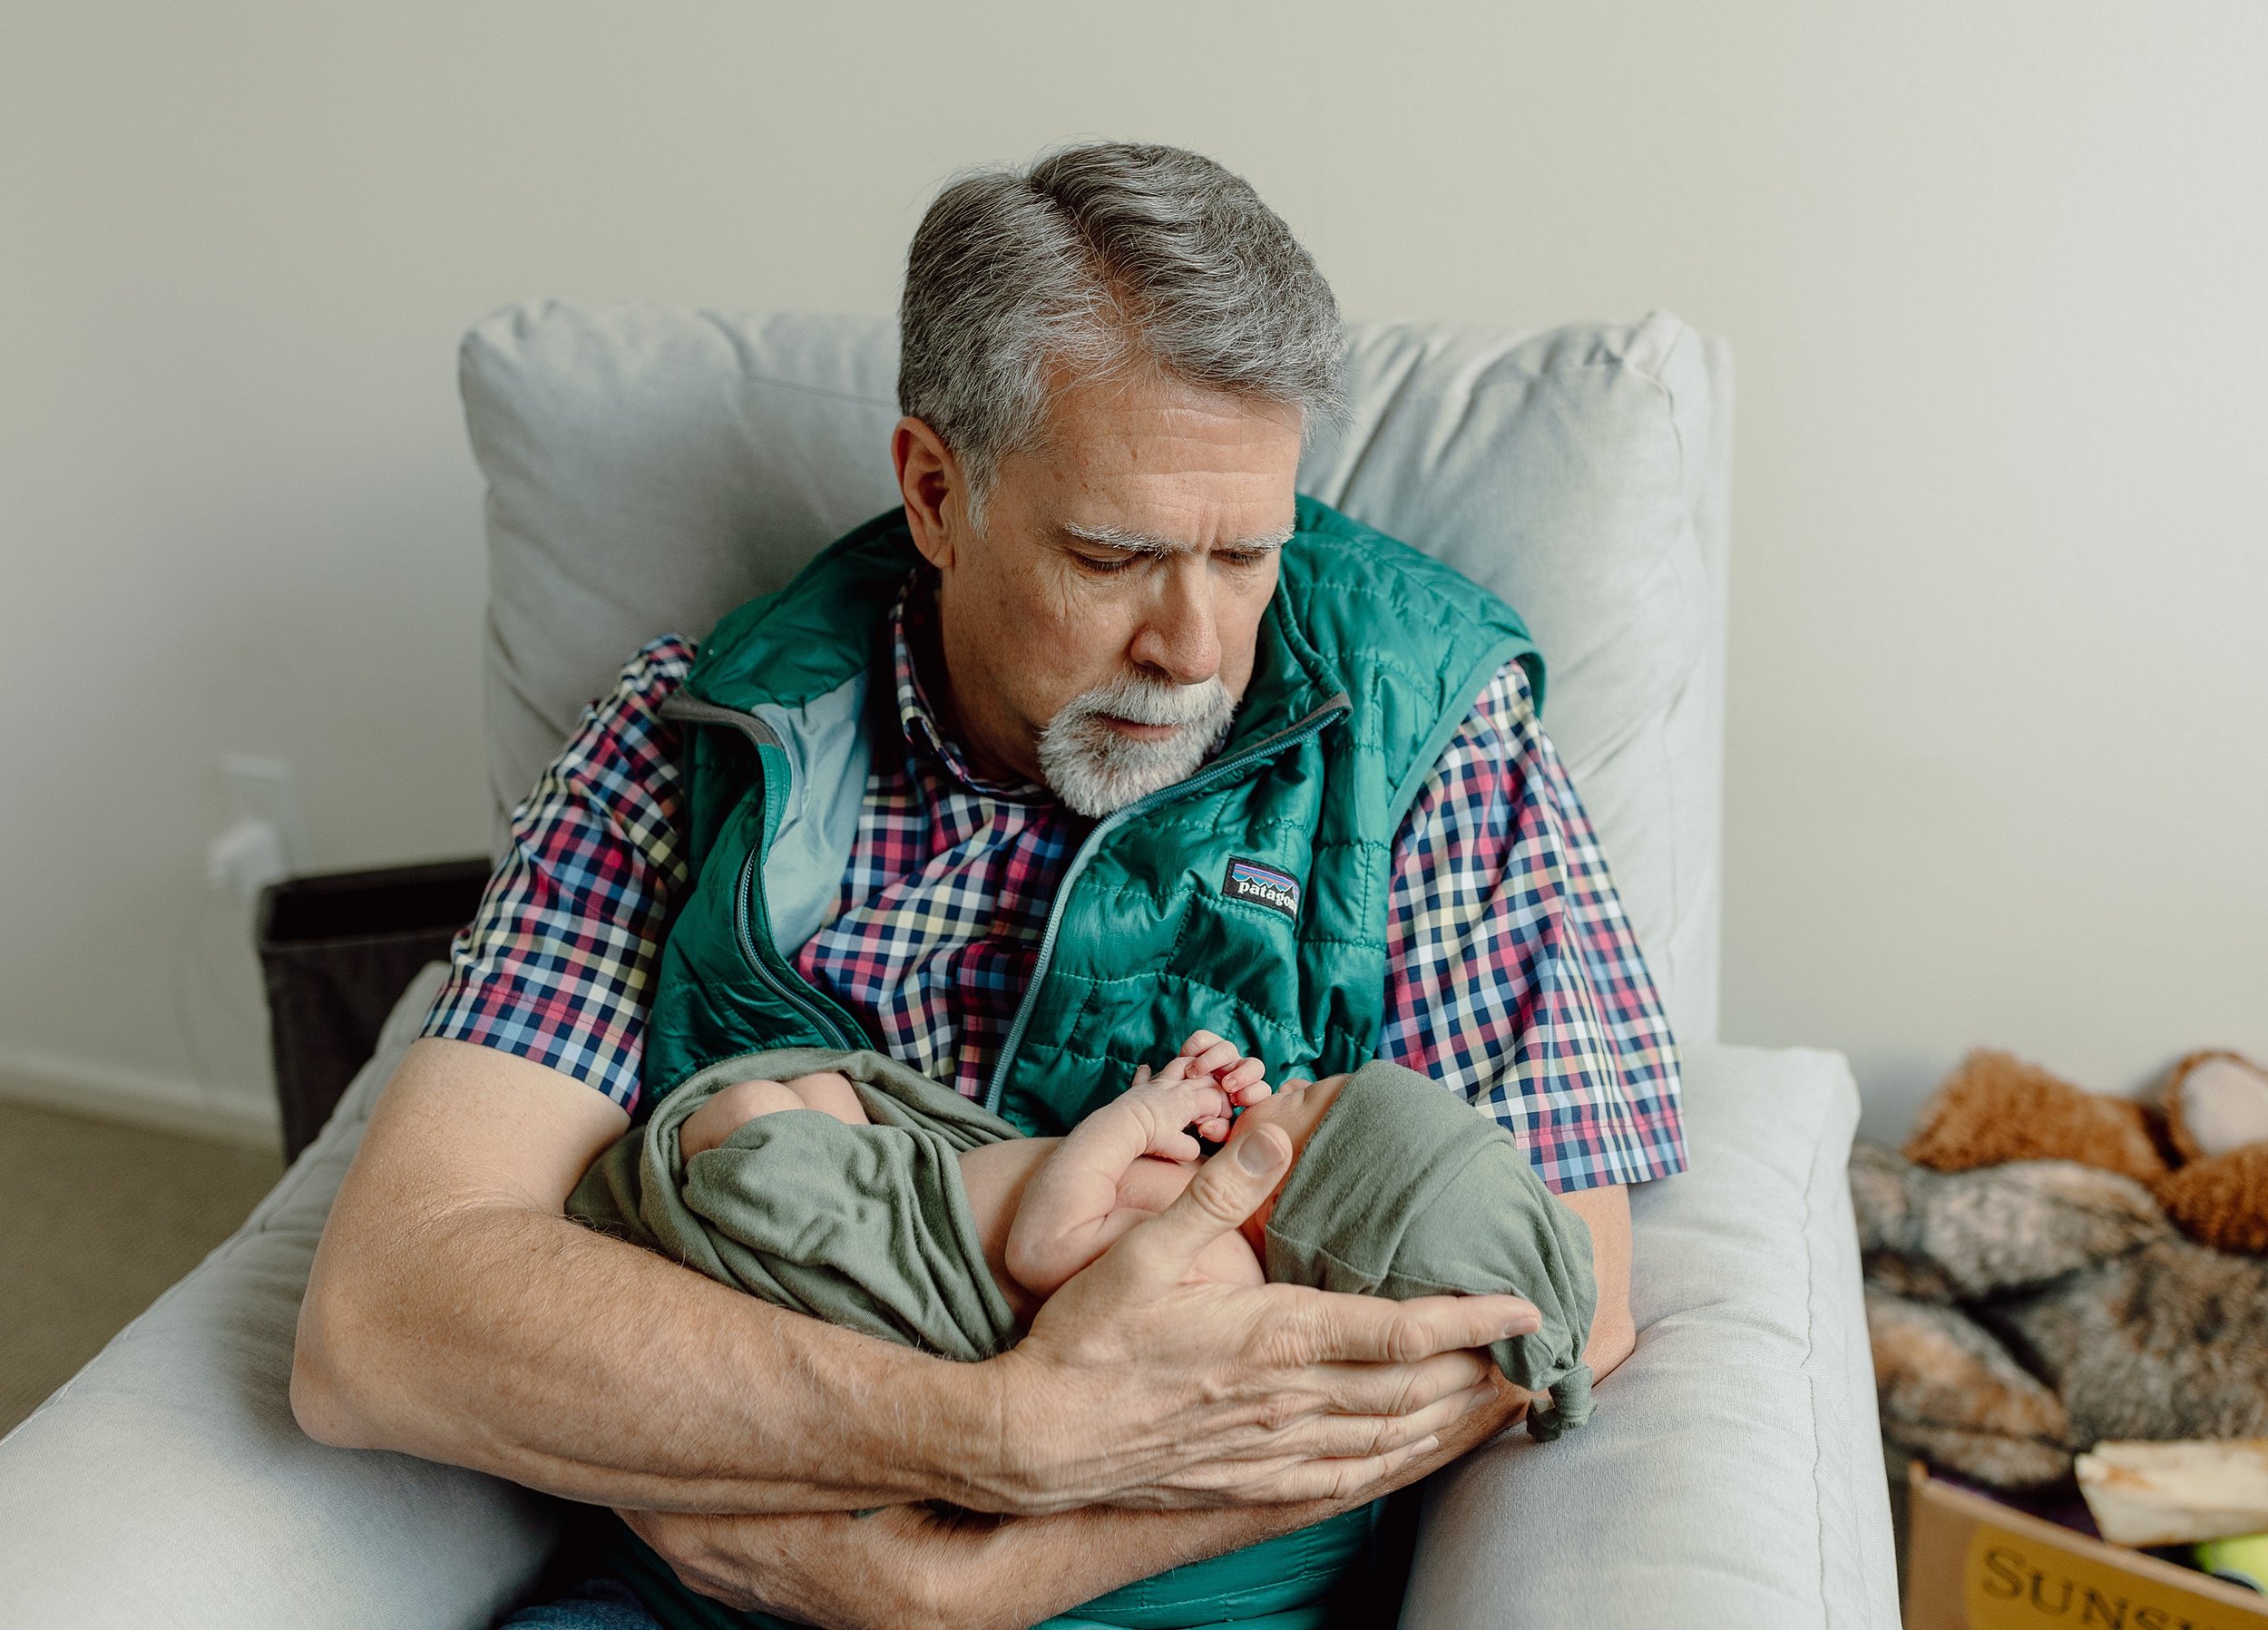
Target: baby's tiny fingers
[(1216, 1059), (1141, 1075), (1198, 1043)]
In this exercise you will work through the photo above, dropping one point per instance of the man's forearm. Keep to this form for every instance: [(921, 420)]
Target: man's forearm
[(1606, 1211), (1037, 1566), (712, 1399), (905, 1568), (492, 1335)]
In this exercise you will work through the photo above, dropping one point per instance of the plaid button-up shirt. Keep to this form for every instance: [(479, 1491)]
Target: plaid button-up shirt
[(1512, 978)]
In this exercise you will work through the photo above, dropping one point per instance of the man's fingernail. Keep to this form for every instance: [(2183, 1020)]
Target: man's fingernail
[(1259, 1155), (1423, 1446), (1521, 1324)]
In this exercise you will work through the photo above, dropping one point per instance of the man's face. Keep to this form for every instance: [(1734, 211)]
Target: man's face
[(1099, 630)]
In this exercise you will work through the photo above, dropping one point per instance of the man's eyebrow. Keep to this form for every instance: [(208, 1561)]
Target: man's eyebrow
[(1131, 542)]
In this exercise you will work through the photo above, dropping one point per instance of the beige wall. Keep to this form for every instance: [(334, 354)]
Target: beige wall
[(1998, 770)]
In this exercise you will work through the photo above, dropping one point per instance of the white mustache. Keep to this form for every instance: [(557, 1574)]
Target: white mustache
[(1149, 702)]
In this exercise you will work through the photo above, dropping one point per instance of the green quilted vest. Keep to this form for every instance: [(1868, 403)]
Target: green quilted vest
[(1249, 899)]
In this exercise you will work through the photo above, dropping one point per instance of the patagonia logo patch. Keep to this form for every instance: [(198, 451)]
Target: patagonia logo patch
[(1248, 880)]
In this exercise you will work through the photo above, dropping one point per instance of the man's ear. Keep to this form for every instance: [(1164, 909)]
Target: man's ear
[(936, 494)]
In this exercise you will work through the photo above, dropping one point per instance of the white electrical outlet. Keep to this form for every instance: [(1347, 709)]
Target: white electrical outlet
[(269, 839), (264, 790)]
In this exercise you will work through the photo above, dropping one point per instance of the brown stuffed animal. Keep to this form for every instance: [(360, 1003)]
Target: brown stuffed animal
[(2216, 1121), (2027, 1292), (2203, 1152), (2021, 1313), (1994, 1108)]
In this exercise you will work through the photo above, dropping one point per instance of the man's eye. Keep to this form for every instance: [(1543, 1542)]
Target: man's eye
[(1106, 564), (1240, 559)]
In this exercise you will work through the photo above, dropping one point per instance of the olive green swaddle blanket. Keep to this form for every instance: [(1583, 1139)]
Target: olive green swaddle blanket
[(1403, 1190), (866, 1228)]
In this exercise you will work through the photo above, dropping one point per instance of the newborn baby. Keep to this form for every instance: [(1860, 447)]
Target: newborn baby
[(1045, 1207), (848, 1186)]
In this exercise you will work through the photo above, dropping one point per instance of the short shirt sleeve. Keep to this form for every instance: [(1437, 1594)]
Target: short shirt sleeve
[(1513, 976), (558, 965)]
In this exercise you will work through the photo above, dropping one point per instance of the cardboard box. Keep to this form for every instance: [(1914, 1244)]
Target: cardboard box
[(1973, 1564)]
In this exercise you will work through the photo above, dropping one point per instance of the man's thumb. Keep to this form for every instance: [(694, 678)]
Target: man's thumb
[(1224, 1192), (1261, 1153)]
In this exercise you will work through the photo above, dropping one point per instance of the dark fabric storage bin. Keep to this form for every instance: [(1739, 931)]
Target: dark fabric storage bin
[(337, 951)]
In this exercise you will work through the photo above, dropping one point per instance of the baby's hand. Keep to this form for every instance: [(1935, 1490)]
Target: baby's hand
[(1206, 1054), (1208, 1060), (1169, 1103)]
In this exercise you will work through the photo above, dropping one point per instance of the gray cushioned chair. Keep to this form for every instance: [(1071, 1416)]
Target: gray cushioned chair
[(649, 469)]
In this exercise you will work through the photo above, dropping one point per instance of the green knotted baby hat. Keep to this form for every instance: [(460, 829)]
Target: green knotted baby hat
[(1405, 1190)]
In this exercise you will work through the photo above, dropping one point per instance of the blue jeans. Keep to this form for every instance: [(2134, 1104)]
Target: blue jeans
[(599, 1604)]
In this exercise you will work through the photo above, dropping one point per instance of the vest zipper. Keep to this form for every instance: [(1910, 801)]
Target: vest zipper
[(678, 706), (1220, 769), (773, 983)]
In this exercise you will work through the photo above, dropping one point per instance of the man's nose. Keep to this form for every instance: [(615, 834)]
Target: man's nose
[(1178, 639)]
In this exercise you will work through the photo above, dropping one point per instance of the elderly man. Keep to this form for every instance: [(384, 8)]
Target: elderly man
[(1105, 737)]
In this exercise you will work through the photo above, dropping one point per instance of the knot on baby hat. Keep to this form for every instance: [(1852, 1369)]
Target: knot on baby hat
[(1570, 1406), (1406, 1190)]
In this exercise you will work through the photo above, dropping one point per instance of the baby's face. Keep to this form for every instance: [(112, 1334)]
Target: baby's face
[(1299, 1108)]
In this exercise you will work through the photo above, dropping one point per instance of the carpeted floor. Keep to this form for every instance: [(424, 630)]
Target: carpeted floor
[(97, 1219)]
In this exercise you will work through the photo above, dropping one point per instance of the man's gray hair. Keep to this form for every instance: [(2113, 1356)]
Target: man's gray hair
[(1104, 257)]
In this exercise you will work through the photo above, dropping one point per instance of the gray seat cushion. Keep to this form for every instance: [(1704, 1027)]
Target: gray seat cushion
[(650, 469), (168, 1484), (1733, 1475)]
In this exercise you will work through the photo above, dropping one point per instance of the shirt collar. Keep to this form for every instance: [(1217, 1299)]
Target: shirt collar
[(914, 650)]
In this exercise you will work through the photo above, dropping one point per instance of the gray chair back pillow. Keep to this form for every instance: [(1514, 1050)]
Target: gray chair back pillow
[(649, 469)]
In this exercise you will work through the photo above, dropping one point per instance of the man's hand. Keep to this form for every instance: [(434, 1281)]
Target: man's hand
[(1138, 1388), (907, 1568)]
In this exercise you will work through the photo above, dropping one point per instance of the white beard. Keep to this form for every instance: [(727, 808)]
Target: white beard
[(1096, 770)]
